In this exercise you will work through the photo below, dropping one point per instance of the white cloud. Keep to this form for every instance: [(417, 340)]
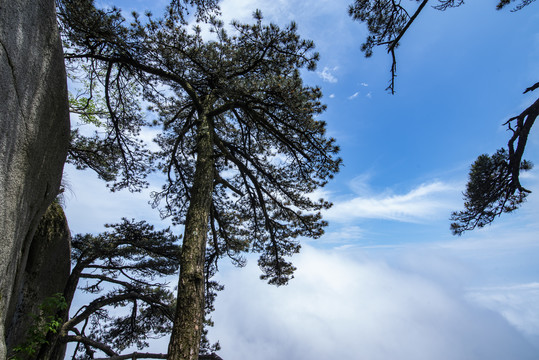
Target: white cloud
[(360, 185), (343, 235), (147, 135), (241, 10), (332, 96), (341, 308), (369, 95), (326, 74), (355, 95), (517, 303), (280, 11), (89, 204), (424, 202), (364, 84), (496, 237)]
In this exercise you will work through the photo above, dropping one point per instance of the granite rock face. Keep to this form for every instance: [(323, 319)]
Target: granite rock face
[(34, 135), (46, 273)]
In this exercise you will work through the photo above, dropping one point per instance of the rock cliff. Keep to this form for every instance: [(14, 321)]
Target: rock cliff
[(34, 135), (46, 272)]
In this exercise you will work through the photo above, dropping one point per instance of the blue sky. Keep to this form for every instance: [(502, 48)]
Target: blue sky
[(388, 280)]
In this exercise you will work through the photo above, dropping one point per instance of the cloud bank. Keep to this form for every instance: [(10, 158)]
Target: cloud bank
[(517, 303), (341, 308)]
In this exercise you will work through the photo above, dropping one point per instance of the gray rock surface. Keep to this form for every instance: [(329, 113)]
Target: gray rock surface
[(46, 272), (34, 134)]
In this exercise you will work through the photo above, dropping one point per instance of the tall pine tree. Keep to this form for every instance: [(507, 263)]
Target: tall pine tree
[(241, 143)]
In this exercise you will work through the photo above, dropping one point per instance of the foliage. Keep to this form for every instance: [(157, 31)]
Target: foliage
[(522, 4), (387, 21), (494, 181), (113, 151), (45, 321), (205, 9), (491, 191), (86, 108), (122, 268)]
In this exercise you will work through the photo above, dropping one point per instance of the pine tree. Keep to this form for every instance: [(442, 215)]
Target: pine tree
[(241, 143), (123, 271)]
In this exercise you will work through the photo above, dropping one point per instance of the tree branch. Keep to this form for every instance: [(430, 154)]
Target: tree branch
[(531, 88), (147, 69), (134, 356), (87, 341)]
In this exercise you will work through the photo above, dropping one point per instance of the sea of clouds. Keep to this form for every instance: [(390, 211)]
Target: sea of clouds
[(342, 305)]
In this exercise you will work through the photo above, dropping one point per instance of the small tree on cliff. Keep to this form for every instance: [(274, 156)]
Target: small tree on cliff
[(131, 258), (121, 268), (241, 147)]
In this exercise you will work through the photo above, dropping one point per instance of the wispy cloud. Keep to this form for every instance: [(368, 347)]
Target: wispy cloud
[(326, 74), (364, 84), (355, 95), (360, 185), (343, 235), (424, 202)]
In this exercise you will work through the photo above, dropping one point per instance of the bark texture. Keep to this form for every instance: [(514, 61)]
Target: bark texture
[(184, 345), (34, 135)]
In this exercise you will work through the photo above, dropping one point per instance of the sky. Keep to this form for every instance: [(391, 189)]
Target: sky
[(388, 280)]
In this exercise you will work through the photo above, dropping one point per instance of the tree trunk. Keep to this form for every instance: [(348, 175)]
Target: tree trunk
[(187, 330)]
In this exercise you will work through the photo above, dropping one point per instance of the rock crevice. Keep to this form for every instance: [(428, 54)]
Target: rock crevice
[(14, 79)]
